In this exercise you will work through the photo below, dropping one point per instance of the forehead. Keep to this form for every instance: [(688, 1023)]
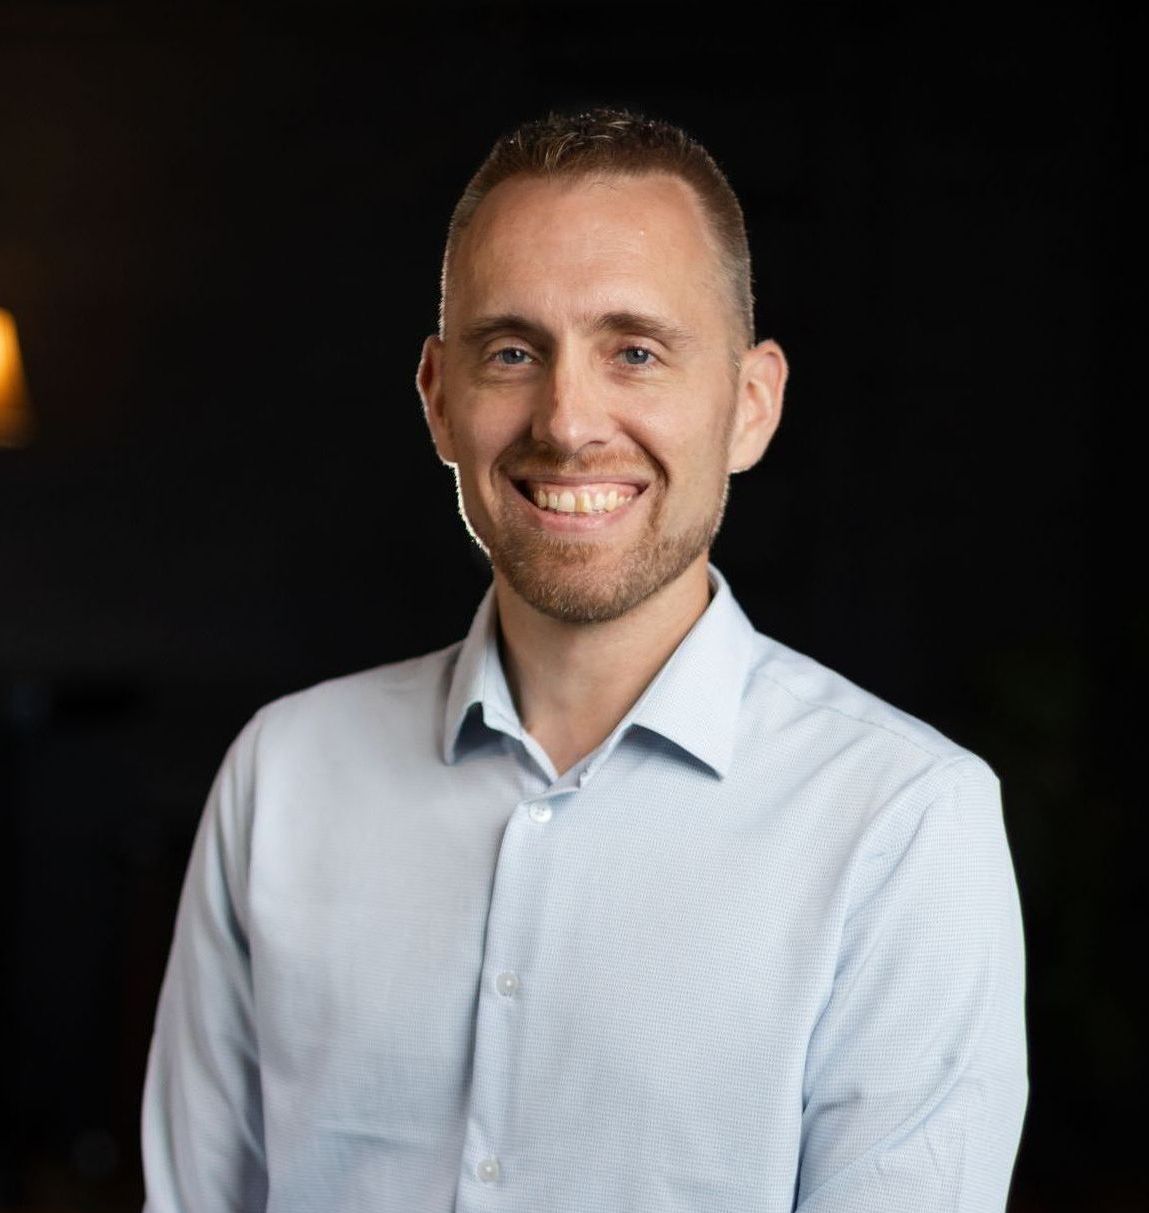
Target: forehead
[(538, 241)]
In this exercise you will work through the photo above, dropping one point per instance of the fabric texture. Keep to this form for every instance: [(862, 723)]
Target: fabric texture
[(760, 951)]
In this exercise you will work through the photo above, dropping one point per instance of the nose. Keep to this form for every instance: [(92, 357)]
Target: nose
[(572, 410)]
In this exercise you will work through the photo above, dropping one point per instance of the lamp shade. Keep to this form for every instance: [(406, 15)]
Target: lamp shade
[(15, 414)]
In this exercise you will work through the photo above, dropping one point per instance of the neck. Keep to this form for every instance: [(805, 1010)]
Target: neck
[(573, 682)]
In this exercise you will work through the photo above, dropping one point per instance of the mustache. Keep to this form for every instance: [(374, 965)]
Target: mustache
[(527, 458)]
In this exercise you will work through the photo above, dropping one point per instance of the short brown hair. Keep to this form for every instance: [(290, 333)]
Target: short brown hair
[(618, 142)]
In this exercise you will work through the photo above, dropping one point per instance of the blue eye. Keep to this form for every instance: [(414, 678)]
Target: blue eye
[(512, 356), (637, 355)]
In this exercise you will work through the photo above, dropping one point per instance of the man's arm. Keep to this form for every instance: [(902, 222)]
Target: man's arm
[(916, 1079), (202, 1116)]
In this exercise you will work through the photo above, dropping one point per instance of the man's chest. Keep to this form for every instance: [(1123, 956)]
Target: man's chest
[(483, 970)]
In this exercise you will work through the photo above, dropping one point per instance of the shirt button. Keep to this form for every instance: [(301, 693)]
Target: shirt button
[(540, 813), (488, 1170), (506, 984)]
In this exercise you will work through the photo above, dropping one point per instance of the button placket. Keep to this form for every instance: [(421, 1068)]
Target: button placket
[(519, 883)]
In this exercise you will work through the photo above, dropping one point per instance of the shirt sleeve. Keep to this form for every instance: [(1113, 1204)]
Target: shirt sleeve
[(916, 1078), (202, 1120)]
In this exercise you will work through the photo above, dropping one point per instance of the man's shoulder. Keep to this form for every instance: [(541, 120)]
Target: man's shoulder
[(391, 697), (793, 686)]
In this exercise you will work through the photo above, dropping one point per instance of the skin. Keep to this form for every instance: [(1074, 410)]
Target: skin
[(589, 343)]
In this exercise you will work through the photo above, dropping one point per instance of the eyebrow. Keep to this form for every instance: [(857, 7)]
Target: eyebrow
[(644, 325), (486, 327), (639, 323)]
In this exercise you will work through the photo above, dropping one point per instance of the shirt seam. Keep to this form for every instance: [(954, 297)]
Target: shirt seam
[(937, 752)]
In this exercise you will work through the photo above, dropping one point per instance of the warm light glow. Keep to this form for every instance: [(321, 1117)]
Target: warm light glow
[(15, 415)]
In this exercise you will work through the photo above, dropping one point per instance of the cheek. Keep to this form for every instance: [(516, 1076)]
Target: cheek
[(472, 452), (689, 445), (487, 427)]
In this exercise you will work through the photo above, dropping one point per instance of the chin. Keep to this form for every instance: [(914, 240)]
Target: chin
[(567, 582), (576, 603)]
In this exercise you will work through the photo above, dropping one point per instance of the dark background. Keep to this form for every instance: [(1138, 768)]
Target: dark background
[(220, 228)]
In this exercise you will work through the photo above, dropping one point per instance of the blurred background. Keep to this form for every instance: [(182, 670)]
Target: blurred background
[(220, 228)]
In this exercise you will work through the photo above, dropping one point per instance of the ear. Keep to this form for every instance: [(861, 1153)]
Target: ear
[(430, 383), (761, 384)]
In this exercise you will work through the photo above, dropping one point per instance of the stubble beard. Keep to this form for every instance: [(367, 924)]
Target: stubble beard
[(565, 578)]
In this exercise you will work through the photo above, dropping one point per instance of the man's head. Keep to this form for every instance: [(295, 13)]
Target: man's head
[(614, 143), (593, 383)]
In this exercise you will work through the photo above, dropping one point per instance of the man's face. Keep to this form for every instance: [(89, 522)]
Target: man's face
[(586, 391)]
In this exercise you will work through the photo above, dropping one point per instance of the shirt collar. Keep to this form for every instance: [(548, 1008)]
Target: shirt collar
[(693, 701)]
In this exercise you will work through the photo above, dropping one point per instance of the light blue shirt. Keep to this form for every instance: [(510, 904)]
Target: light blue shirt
[(760, 951)]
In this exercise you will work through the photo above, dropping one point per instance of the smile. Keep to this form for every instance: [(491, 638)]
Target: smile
[(601, 498)]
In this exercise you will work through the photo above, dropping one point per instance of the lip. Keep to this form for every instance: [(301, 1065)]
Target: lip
[(576, 523), (550, 478)]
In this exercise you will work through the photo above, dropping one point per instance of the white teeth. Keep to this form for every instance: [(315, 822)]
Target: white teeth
[(567, 501)]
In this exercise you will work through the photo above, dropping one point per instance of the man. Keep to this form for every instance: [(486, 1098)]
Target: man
[(617, 905)]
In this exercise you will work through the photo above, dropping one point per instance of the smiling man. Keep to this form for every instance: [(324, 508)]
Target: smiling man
[(617, 904), (593, 387)]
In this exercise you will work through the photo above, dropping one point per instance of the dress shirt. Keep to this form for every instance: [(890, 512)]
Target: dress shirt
[(760, 951)]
